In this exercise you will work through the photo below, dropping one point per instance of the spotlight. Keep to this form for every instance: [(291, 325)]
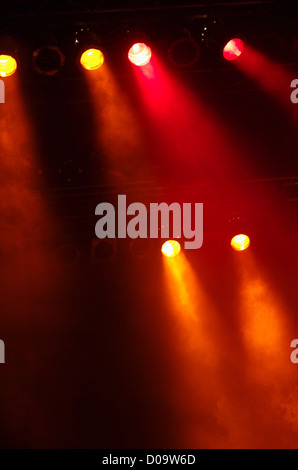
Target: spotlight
[(68, 254), (139, 54), (103, 251), (239, 226), (140, 247), (48, 60), (8, 56), (223, 38), (183, 51), (92, 59), (8, 65), (136, 43), (240, 242), (171, 248), (89, 49), (233, 49)]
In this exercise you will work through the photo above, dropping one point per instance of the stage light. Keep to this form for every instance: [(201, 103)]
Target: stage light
[(90, 54), (103, 251), (8, 65), (8, 55), (184, 52), (171, 248), (139, 54), (233, 49), (48, 60), (240, 242), (68, 254), (218, 36), (92, 59), (140, 247)]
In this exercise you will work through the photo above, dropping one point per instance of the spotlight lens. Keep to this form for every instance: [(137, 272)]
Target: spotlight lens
[(139, 54), (92, 59), (8, 65), (171, 248), (233, 49), (240, 242), (48, 60)]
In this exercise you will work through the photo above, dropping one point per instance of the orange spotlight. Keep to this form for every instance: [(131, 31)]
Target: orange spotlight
[(92, 59), (171, 248), (233, 49), (240, 242), (8, 65), (139, 54)]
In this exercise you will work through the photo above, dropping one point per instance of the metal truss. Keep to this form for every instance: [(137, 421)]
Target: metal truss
[(76, 7), (80, 202)]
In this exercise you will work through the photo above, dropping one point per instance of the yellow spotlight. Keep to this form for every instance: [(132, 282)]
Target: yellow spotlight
[(240, 242), (92, 59), (171, 248), (8, 65)]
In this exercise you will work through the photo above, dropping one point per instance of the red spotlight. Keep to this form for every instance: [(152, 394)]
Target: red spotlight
[(233, 49), (139, 54)]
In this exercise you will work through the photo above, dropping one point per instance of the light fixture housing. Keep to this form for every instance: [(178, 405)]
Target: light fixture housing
[(184, 52), (140, 247), (183, 45), (136, 45), (103, 250), (8, 56), (226, 41), (47, 57), (68, 254), (238, 232), (48, 60), (89, 50)]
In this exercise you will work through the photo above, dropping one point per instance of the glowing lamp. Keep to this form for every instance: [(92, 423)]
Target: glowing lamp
[(240, 242), (171, 248), (139, 54), (8, 65), (92, 59), (233, 49)]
